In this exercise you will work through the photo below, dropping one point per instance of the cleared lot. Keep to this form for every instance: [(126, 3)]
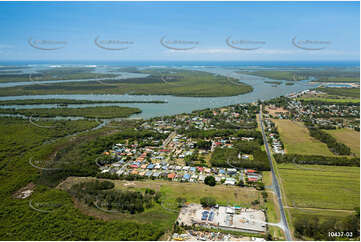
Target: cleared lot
[(193, 192), (297, 140), (242, 219)]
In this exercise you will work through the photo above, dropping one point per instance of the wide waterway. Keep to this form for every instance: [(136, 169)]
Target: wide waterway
[(176, 105)]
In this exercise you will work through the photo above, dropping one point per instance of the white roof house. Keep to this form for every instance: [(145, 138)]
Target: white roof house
[(230, 181)]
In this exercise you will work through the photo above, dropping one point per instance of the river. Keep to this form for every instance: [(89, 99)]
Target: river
[(177, 105)]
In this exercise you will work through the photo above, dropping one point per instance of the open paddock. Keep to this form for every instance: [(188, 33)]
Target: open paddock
[(317, 186), (297, 139)]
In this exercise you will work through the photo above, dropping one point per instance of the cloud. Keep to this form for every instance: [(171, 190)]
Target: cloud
[(5, 46), (261, 51), (233, 51)]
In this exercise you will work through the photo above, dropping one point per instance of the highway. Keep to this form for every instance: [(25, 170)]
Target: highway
[(275, 183)]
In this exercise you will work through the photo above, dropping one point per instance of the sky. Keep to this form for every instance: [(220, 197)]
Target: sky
[(180, 31)]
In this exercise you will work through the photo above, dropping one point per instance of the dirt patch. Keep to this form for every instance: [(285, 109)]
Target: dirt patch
[(129, 184), (24, 192), (275, 110)]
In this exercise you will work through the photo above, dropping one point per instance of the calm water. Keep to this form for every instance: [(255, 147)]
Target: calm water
[(178, 105)]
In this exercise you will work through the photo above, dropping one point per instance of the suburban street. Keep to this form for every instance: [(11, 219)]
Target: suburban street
[(275, 183)]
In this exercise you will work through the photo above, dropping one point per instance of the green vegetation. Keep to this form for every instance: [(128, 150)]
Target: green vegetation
[(278, 75), (65, 101), (312, 226), (77, 158), (330, 74), (210, 181), (205, 134), (343, 92), (171, 82), (273, 82), (340, 79), (192, 192), (208, 201), (320, 100), (317, 186), (20, 141), (336, 147), (296, 139), (95, 193), (87, 112), (64, 221), (53, 74), (349, 137), (273, 216), (228, 157), (317, 160)]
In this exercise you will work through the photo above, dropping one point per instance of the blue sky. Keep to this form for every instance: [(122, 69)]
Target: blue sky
[(208, 24)]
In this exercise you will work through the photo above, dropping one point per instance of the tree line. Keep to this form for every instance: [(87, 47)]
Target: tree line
[(334, 146), (98, 194), (316, 160), (229, 157), (311, 226)]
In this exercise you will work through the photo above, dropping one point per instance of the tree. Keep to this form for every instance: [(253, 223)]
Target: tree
[(265, 196), (260, 185), (181, 201), (210, 181), (208, 201)]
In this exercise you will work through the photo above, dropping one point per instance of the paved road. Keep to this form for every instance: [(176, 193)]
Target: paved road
[(169, 139), (275, 183)]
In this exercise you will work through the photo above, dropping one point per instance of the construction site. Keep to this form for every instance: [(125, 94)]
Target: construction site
[(191, 235), (226, 218)]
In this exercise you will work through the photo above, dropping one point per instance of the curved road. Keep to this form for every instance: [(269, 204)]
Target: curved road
[(275, 183)]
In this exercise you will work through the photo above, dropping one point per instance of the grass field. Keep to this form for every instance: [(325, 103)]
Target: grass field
[(349, 137), (321, 214), (224, 195), (297, 140), (327, 187), (273, 216)]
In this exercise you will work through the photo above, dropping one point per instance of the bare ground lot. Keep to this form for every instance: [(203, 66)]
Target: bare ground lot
[(225, 195), (274, 110)]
